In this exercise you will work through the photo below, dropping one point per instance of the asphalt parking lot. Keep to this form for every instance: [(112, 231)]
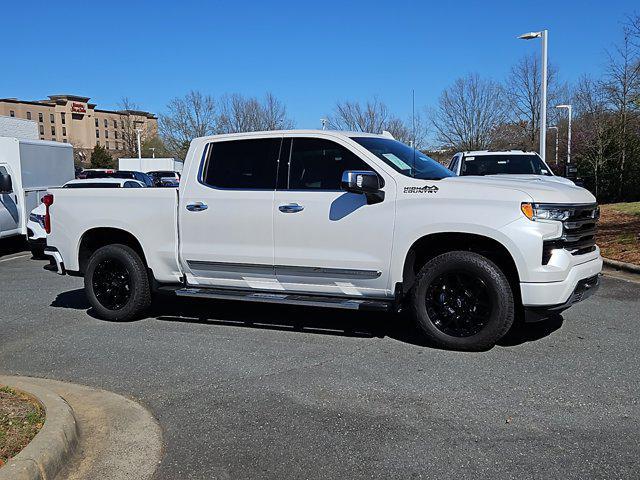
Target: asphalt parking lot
[(258, 391)]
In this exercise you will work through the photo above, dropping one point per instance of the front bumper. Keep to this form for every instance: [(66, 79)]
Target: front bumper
[(584, 289), (544, 294)]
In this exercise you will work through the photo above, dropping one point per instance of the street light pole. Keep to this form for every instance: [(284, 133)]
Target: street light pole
[(543, 34), (568, 107), (557, 134), (138, 138)]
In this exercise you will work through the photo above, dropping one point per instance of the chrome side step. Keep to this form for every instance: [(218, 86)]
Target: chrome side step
[(284, 298)]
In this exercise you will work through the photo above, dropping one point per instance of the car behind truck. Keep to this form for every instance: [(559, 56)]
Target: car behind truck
[(334, 219)]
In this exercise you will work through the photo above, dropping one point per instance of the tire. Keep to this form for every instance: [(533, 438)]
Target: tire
[(462, 301), (38, 253), (117, 284)]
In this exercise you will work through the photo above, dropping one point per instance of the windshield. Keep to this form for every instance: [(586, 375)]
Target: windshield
[(404, 159), (504, 165)]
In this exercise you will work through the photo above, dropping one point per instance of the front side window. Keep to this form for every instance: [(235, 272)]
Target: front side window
[(243, 164), (404, 159), (318, 164)]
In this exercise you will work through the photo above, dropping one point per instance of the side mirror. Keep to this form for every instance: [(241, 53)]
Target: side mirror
[(6, 186), (366, 182)]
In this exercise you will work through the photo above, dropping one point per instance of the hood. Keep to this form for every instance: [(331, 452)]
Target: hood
[(547, 190), (539, 178)]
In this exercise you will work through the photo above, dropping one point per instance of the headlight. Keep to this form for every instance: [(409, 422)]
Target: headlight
[(537, 211)]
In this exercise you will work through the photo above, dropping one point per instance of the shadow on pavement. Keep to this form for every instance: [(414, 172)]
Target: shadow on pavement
[(9, 246), (321, 321)]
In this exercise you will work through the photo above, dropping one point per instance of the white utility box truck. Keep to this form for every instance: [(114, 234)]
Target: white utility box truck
[(27, 169), (147, 165)]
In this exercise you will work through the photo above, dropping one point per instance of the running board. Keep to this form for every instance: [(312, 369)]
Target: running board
[(285, 298)]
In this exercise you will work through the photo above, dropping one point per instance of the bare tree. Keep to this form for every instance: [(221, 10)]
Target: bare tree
[(371, 117), (188, 117), (130, 124), (248, 114), (593, 128), (468, 113), (622, 85), (524, 93), (375, 117)]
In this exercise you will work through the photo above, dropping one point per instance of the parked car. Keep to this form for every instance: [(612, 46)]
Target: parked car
[(27, 169), (515, 163), (140, 176), (36, 234), (334, 219), (165, 178)]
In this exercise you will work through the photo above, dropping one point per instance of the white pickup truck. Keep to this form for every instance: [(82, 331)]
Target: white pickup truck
[(333, 219)]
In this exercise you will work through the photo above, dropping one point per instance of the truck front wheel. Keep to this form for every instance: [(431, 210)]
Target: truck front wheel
[(116, 283), (463, 301)]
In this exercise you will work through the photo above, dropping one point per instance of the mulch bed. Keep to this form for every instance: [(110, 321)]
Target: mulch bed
[(619, 235), (20, 419)]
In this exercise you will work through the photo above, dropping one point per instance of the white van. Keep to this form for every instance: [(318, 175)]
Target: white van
[(27, 169)]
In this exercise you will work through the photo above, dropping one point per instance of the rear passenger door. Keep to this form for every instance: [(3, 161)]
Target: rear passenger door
[(9, 216), (327, 240), (226, 215)]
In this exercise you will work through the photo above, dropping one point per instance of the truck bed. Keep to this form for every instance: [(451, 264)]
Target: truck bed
[(149, 214)]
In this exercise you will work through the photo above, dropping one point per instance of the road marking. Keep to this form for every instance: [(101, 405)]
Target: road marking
[(15, 258)]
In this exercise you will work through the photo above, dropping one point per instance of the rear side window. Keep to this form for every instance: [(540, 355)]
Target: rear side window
[(318, 164), (243, 164)]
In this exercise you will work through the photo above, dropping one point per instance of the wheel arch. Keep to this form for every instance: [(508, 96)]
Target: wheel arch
[(431, 245), (96, 238)]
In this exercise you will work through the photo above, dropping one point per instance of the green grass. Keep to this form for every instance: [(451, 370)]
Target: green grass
[(632, 208)]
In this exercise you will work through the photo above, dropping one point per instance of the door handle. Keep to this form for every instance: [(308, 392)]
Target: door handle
[(291, 208), (197, 206)]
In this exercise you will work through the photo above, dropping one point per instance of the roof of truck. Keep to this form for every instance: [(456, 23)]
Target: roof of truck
[(479, 153), (338, 133)]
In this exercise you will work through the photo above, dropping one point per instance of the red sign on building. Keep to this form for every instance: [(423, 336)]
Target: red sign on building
[(78, 108)]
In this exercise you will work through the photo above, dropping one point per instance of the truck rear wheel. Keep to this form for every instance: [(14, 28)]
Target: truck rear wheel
[(463, 301), (116, 283)]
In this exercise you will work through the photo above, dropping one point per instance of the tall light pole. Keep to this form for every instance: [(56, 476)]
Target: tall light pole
[(543, 34), (557, 134), (568, 107), (138, 138)]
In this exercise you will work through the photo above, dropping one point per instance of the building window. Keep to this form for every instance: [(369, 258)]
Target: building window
[(98, 143), (64, 131), (97, 125), (41, 129), (12, 113), (62, 116), (106, 144), (40, 118), (53, 130), (106, 123), (115, 124), (97, 133), (53, 139), (115, 134), (28, 115), (64, 140), (121, 123), (52, 118), (106, 134)]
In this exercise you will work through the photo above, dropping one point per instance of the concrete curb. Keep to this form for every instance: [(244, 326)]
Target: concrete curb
[(54, 444), (627, 267)]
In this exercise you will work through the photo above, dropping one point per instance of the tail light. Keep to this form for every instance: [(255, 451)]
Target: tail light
[(48, 201)]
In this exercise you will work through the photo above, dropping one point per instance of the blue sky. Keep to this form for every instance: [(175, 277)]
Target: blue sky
[(309, 54)]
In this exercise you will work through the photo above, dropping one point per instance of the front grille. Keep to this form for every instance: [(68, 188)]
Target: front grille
[(578, 232)]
